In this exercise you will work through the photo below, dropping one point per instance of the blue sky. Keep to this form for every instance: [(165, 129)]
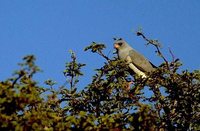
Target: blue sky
[(49, 28)]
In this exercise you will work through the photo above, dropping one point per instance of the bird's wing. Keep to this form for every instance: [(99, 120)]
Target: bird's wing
[(140, 61), (136, 70)]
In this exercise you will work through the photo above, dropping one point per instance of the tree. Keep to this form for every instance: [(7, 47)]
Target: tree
[(109, 102)]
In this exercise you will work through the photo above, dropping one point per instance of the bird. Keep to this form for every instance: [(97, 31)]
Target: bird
[(136, 61)]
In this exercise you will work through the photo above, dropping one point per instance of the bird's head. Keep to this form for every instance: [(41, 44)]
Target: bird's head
[(120, 44)]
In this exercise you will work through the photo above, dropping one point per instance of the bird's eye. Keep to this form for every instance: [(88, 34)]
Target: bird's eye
[(120, 44)]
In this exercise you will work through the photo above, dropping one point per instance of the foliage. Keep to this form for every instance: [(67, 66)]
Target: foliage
[(114, 100)]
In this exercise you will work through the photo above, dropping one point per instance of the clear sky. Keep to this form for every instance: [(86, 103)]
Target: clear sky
[(49, 28)]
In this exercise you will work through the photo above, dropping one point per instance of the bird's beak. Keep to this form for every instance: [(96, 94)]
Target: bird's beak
[(116, 46)]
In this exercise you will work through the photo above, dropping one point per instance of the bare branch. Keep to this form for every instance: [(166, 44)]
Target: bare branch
[(173, 57), (156, 44)]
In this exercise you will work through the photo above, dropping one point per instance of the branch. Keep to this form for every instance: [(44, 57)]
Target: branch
[(156, 44), (21, 74), (173, 57), (101, 54), (97, 48)]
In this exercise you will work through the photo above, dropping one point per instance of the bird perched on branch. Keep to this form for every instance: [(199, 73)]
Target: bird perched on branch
[(136, 62)]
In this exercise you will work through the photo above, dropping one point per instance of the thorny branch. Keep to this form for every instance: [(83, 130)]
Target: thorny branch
[(101, 54), (156, 44), (19, 77), (173, 57), (97, 48)]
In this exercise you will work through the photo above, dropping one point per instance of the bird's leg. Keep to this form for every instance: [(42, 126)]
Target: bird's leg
[(128, 85)]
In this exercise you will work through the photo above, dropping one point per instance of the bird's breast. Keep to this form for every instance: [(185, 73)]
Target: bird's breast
[(123, 54)]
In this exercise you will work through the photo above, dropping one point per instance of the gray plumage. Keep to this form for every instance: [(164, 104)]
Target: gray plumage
[(137, 61)]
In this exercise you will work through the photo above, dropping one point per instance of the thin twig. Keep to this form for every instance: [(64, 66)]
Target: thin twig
[(100, 53), (156, 44), (173, 57), (15, 81)]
